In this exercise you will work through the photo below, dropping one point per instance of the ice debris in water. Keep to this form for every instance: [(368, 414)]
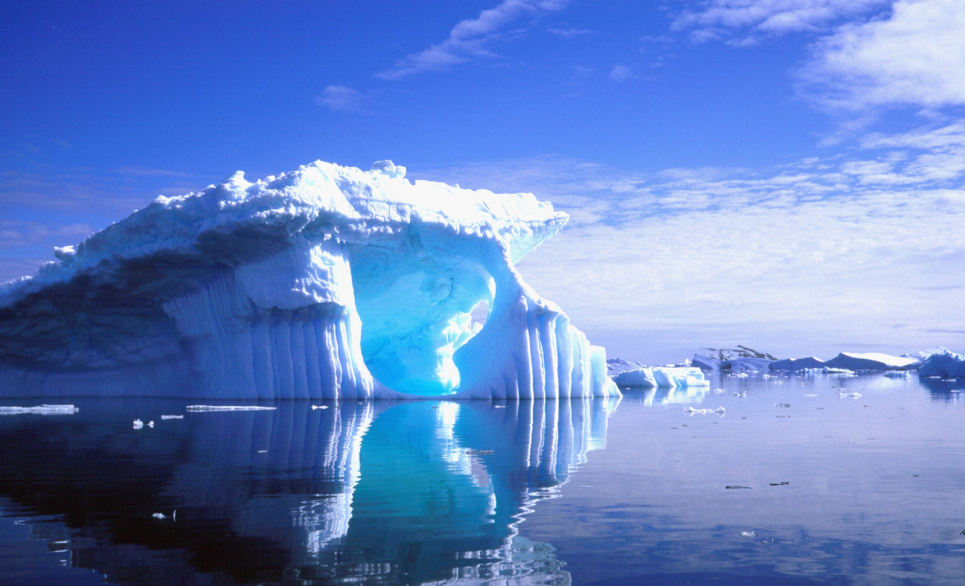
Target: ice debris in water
[(314, 407), (694, 411), (327, 282), (847, 395), (174, 515), (40, 410), (205, 408), (166, 417), (138, 424)]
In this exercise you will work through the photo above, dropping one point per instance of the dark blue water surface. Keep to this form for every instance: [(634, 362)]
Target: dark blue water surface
[(798, 480)]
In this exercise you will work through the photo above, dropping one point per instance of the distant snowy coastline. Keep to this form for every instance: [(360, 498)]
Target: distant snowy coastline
[(742, 361)]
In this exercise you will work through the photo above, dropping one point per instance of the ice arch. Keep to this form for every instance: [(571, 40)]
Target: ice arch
[(326, 282)]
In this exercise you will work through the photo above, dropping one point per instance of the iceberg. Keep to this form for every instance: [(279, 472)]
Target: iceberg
[(738, 364), (943, 364), (328, 282), (798, 364), (871, 361), (662, 377)]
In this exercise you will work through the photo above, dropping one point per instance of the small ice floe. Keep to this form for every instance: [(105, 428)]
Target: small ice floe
[(838, 371), (40, 410), (845, 395), (896, 374), (166, 417), (262, 451), (173, 517), (314, 407), (739, 374), (692, 411), (749, 534), (138, 424), (718, 391), (206, 408), (810, 395)]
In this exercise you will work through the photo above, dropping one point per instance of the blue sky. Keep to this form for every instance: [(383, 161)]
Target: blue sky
[(786, 174)]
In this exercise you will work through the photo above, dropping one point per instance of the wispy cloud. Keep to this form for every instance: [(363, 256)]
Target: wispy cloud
[(620, 73), (747, 21), (914, 57), (340, 98), (470, 39), (570, 33)]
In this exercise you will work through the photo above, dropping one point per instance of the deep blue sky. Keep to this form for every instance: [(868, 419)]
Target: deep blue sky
[(786, 174)]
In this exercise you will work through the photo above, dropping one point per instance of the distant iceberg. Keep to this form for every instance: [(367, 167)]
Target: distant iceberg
[(662, 377), (326, 282), (871, 361), (944, 364)]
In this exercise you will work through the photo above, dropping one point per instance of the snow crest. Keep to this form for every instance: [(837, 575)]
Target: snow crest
[(324, 283)]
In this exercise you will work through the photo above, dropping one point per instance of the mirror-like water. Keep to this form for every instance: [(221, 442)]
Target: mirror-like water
[(796, 480)]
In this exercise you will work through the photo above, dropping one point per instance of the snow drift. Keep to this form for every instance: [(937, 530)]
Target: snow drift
[(326, 282)]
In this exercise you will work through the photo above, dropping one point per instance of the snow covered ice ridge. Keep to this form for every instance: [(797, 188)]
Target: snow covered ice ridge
[(40, 410), (328, 282)]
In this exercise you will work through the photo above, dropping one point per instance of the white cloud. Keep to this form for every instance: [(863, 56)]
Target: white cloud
[(340, 98), (620, 73), (832, 249), (744, 21), (915, 57), (470, 38)]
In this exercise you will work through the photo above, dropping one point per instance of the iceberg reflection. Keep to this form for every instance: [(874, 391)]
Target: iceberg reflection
[(405, 492)]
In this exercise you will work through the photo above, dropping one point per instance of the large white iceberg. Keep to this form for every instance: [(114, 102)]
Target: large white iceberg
[(326, 282)]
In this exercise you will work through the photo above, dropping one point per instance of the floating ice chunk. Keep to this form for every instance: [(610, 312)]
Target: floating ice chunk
[(847, 395), (138, 424), (750, 534), (662, 376), (314, 407), (640, 377), (205, 408), (943, 364), (40, 410), (166, 417), (896, 374)]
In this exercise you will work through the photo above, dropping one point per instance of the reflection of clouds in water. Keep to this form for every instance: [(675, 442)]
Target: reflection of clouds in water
[(411, 491)]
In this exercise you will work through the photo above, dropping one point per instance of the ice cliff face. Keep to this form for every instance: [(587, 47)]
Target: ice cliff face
[(327, 282)]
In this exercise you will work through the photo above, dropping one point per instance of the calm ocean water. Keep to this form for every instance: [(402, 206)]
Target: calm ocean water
[(797, 480)]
